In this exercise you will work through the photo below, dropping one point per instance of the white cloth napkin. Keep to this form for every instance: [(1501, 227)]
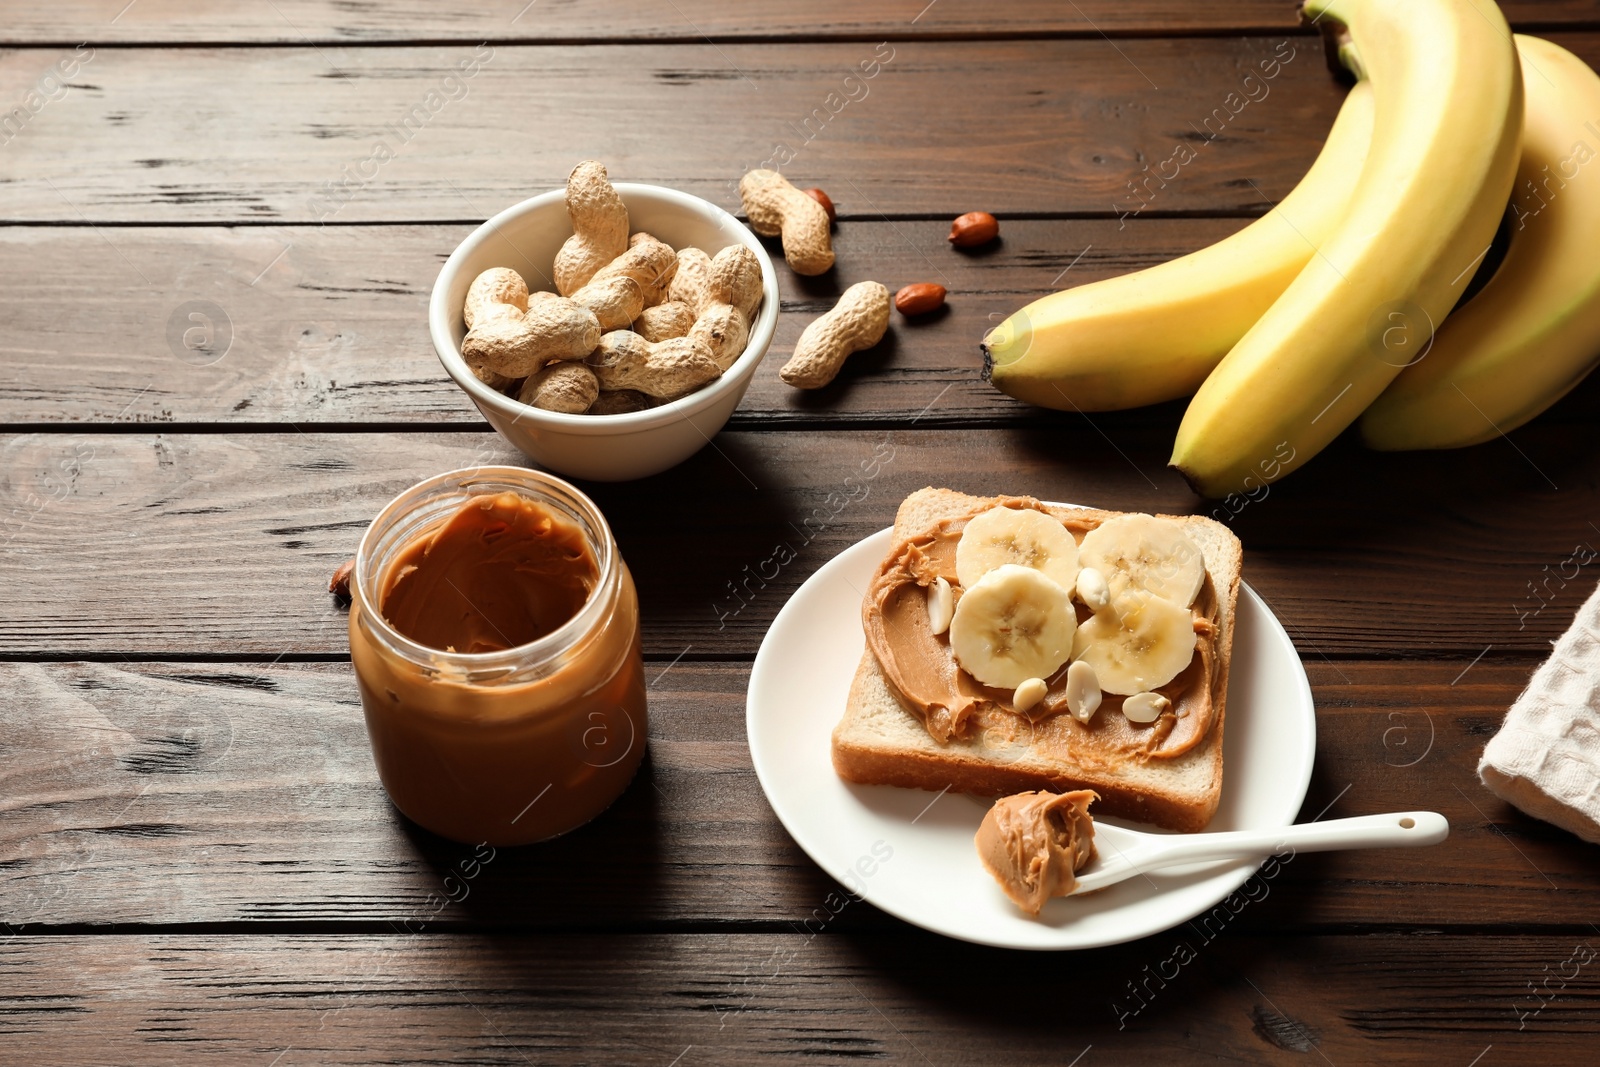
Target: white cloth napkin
[(1546, 757)]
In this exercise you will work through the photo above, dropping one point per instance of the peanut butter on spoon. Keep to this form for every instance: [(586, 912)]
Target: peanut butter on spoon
[(1035, 843)]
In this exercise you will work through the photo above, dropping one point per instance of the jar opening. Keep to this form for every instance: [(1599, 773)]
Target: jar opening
[(477, 511)]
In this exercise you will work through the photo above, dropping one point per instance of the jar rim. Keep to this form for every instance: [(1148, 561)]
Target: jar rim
[(521, 480)]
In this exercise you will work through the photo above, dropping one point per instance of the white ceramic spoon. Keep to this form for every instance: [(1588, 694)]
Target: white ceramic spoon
[(1121, 854)]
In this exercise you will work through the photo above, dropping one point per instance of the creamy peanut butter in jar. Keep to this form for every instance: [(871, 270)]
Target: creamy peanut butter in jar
[(494, 630)]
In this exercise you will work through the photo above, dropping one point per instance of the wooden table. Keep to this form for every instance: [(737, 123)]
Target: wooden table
[(197, 862)]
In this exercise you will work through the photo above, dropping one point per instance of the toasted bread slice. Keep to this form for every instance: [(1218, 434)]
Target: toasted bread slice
[(880, 742)]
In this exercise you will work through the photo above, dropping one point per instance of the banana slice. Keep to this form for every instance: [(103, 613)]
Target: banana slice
[(1139, 645), (1021, 536), (1011, 625), (1144, 552)]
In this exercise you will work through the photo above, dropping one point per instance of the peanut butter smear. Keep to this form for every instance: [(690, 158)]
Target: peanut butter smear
[(1035, 844), (503, 571), (923, 673)]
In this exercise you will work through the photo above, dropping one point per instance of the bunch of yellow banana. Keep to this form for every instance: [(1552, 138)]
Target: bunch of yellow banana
[(1331, 305), (1533, 331)]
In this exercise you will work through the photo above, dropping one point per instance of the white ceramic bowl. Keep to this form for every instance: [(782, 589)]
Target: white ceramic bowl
[(608, 448)]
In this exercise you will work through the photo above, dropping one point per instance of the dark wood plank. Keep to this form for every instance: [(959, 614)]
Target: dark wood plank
[(728, 998), (329, 325), (211, 793), (943, 127), (140, 543), (246, 792), (313, 135), (294, 22)]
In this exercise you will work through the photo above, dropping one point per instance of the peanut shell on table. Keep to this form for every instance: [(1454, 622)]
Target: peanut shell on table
[(776, 208), (859, 320)]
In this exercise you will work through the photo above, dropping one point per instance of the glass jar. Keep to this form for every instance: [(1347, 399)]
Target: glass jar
[(511, 746)]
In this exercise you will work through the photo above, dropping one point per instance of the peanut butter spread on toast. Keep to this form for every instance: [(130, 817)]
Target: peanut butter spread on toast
[(922, 672)]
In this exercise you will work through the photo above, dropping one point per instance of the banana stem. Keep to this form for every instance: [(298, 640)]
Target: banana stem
[(1348, 56), (1338, 49)]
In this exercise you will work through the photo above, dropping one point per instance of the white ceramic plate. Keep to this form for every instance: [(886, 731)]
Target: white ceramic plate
[(910, 852)]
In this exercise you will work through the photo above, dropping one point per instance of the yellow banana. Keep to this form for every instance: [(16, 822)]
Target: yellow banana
[(1533, 332), (1445, 143), (1155, 334)]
